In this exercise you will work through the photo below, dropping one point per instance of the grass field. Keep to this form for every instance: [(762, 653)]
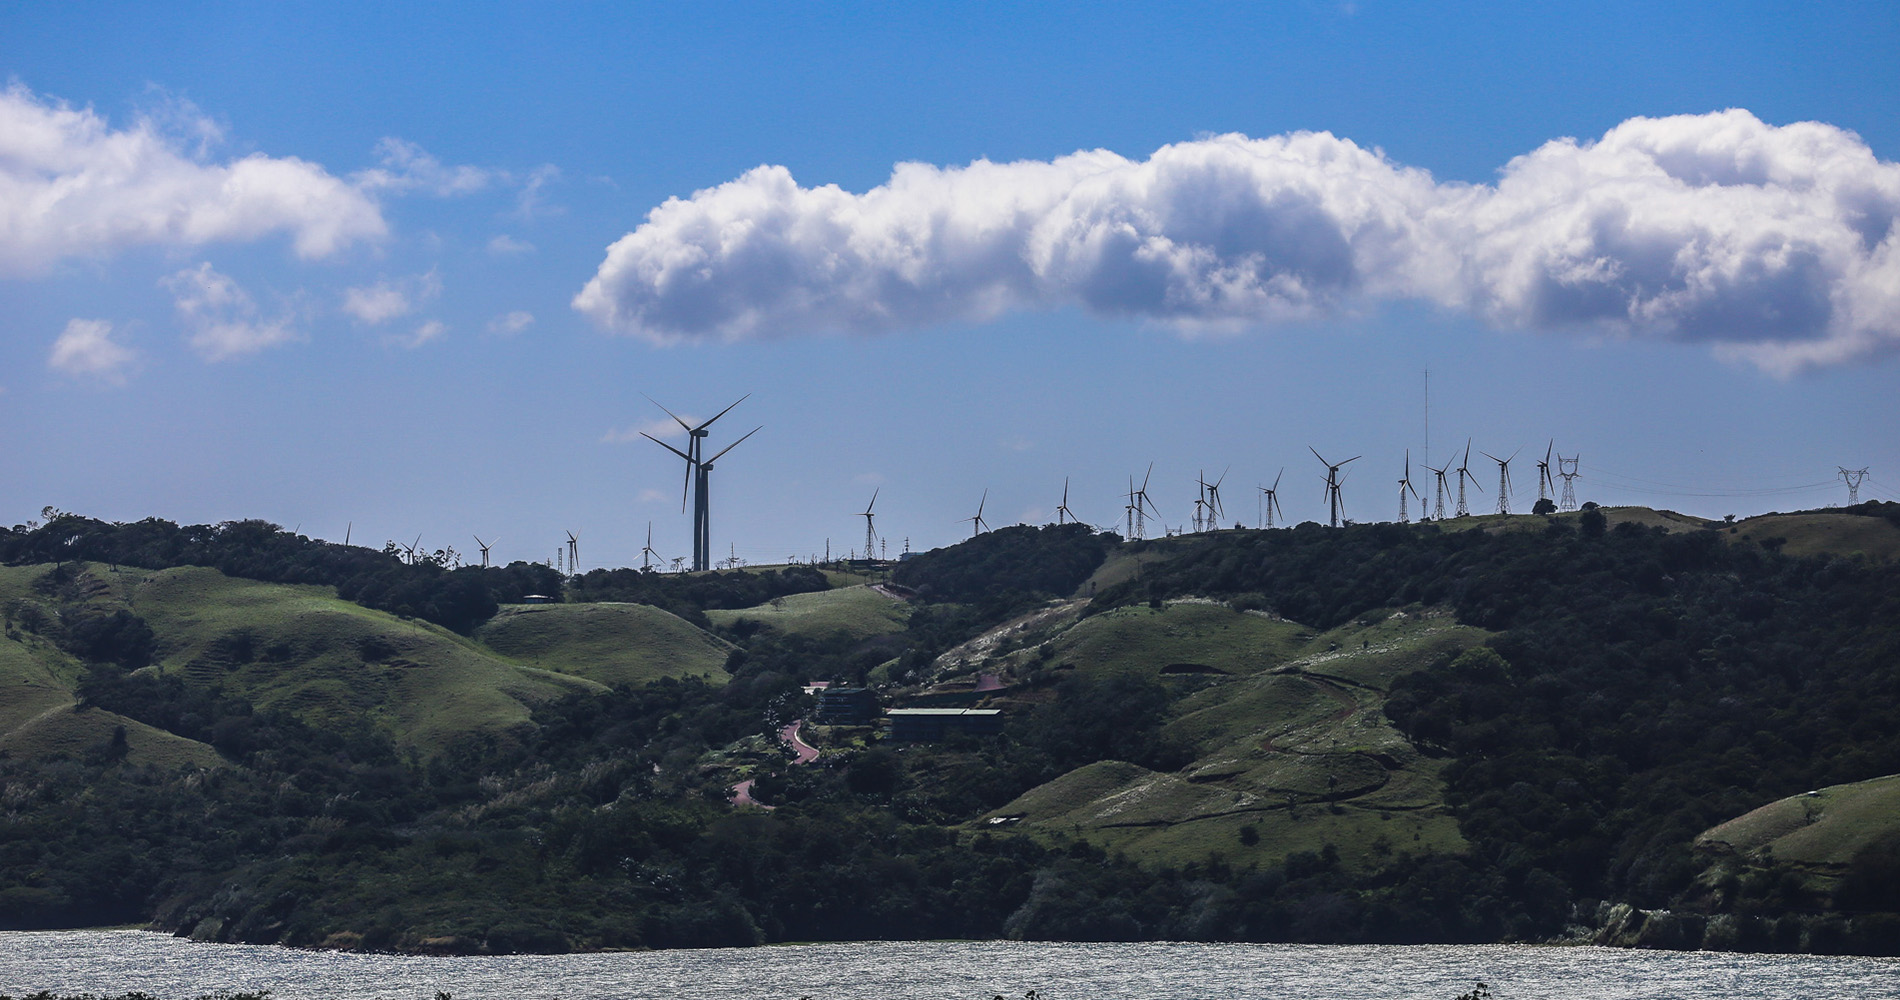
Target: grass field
[(612, 644), (1182, 635), (1293, 742), (855, 611), (1820, 531), (1823, 827)]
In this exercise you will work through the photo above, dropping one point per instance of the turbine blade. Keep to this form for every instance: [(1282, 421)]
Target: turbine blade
[(668, 447), (735, 444), (723, 412), (669, 413), (1276, 478)]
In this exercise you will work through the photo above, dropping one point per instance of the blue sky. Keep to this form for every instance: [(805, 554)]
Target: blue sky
[(324, 264)]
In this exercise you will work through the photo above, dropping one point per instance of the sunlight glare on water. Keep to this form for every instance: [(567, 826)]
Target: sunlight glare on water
[(118, 961)]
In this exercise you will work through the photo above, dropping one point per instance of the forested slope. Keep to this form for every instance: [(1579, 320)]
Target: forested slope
[(1472, 731)]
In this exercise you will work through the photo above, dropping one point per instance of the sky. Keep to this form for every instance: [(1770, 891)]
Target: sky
[(400, 270)]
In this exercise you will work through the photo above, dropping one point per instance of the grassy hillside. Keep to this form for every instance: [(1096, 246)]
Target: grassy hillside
[(333, 663), (1825, 827), (856, 612), (1821, 531), (1290, 741), (607, 643), (1183, 636)]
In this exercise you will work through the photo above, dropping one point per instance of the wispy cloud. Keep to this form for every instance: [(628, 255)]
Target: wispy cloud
[(511, 323), (1773, 243), (429, 331), (663, 428), (72, 185), (531, 202), (507, 246), (391, 299), (407, 168), (221, 320), (86, 348)]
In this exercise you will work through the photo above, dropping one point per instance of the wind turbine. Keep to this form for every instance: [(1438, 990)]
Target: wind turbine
[(647, 555), (1438, 505), (695, 476), (484, 546), (1062, 509), (1463, 475), (1142, 505), (1271, 502), (573, 553), (1504, 480), (870, 536), (1546, 483), (412, 549), (1406, 484), (1332, 483), (977, 524), (1215, 510)]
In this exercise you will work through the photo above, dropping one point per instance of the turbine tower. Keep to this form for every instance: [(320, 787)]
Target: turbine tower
[(1852, 478), (1546, 483), (1567, 470), (870, 536), (1464, 474), (647, 555), (1139, 505), (1438, 505), (1062, 509), (1332, 484), (696, 469), (1405, 483), (484, 546), (977, 524), (1271, 498), (1504, 480), (1214, 509)]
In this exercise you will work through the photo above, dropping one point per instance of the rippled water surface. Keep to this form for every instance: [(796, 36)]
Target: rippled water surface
[(118, 961)]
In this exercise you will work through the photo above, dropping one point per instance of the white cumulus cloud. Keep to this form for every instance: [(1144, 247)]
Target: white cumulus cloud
[(221, 319), (1773, 243), (86, 348), (72, 185)]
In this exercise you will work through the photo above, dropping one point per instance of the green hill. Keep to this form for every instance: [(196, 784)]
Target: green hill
[(1825, 827), (854, 611), (1296, 748), (607, 643)]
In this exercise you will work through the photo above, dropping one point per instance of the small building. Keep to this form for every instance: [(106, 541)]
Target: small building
[(846, 707), (926, 725), (537, 599)]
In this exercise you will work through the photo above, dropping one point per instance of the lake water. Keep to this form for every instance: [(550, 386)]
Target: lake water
[(116, 961)]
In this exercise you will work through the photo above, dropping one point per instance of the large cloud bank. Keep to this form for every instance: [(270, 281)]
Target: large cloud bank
[(71, 186), (1775, 243)]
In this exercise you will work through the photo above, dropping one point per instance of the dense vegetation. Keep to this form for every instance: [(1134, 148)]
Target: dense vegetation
[(1642, 687)]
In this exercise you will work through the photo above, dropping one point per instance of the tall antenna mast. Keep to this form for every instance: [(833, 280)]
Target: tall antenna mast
[(1567, 470), (1852, 478)]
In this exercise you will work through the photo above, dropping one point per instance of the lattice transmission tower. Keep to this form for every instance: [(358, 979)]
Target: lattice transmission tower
[(1567, 471), (1852, 477)]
